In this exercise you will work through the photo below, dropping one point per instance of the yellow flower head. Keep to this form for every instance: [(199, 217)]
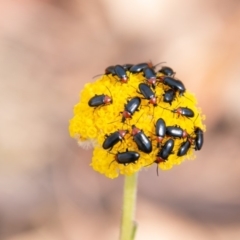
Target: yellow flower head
[(136, 117)]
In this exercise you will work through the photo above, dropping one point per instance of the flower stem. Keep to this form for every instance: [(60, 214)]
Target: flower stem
[(128, 226)]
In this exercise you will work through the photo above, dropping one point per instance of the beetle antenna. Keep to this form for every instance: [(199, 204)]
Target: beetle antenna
[(111, 153), (196, 118), (165, 108), (139, 118), (111, 163), (113, 122), (98, 75), (148, 164), (109, 92), (188, 98), (159, 64)]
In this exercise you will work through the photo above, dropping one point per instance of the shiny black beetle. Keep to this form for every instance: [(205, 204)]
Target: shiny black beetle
[(165, 152), (140, 66), (142, 141), (113, 139), (184, 147), (148, 93), (121, 73), (150, 76), (184, 111), (169, 96), (167, 71), (160, 131), (174, 84), (127, 66), (198, 139), (99, 100), (110, 70), (130, 108), (126, 157), (176, 132)]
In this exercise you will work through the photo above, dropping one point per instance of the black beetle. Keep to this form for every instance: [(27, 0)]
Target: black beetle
[(121, 73), (184, 111), (139, 67), (198, 139), (160, 130), (169, 96), (176, 132), (184, 147), (167, 71), (113, 139), (110, 70), (174, 84), (127, 66), (126, 157), (164, 152), (99, 100), (142, 141), (147, 92), (130, 108), (150, 76)]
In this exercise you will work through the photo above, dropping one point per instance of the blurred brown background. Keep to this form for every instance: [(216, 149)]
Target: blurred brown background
[(48, 51)]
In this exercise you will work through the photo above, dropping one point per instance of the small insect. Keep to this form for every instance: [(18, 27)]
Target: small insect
[(164, 152), (110, 70), (169, 96), (167, 71), (100, 100), (127, 66), (139, 67), (174, 84), (150, 76), (160, 131), (142, 141), (147, 92), (126, 157), (198, 139), (130, 108), (182, 111), (184, 147), (113, 139), (118, 71), (176, 132), (121, 73)]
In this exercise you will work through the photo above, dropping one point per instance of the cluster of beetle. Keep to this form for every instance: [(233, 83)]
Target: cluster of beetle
[(165, 76)]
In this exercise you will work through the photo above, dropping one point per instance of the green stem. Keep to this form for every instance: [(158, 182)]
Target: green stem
[(128, 226)]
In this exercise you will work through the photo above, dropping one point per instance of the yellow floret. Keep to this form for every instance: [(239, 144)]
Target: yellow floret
[(92, 124)]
